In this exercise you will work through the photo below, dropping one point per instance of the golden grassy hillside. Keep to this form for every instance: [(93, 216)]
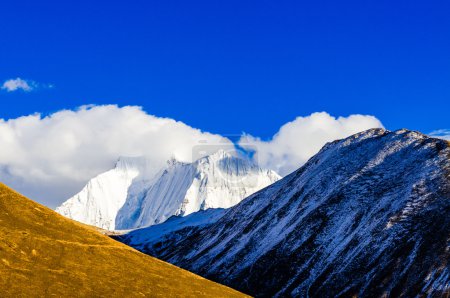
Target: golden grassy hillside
[(43, 254)]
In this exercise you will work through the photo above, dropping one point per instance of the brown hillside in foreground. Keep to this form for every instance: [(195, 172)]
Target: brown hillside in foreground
[(44, 254)]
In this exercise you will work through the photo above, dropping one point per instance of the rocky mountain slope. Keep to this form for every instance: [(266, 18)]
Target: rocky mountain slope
[(368, 216), (127, 197), (43, 254)]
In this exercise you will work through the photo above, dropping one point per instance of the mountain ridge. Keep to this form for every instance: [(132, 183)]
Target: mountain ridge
[(368, 215), (45, 254)]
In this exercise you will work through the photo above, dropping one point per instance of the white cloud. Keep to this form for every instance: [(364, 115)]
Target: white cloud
[(16, 84), (52, 157), (300, 139), (441, 134)]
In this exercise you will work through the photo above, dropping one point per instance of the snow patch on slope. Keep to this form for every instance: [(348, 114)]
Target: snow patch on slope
[(157, 233)]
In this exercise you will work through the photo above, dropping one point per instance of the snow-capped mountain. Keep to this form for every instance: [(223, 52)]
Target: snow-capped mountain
[(101, 199), (368, 216), (126, 197)]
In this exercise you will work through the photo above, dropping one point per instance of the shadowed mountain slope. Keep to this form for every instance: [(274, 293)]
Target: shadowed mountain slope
[(368, 216)]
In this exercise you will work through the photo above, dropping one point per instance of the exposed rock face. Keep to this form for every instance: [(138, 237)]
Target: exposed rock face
[(368, 216)]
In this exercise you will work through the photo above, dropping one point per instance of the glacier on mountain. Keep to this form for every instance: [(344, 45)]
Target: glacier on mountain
[(128, 197)]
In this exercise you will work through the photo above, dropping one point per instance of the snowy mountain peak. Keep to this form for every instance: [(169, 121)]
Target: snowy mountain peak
[(174, 161), (221, 153), (129, 197)]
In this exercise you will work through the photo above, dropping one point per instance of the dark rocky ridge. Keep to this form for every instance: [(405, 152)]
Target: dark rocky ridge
[(368, 216)]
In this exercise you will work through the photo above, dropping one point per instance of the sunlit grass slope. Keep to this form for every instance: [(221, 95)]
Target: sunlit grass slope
[(44, 254)]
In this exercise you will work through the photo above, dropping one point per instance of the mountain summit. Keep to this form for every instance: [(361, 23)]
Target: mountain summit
[(126, 197), (368, 216)]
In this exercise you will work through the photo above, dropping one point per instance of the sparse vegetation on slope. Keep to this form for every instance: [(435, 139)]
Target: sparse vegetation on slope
[(44, 254)]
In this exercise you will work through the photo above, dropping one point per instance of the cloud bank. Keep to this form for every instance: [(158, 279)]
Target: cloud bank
[(300, 139), (51, 158)]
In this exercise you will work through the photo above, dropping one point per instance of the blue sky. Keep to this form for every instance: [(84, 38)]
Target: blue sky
[(232, 66)]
